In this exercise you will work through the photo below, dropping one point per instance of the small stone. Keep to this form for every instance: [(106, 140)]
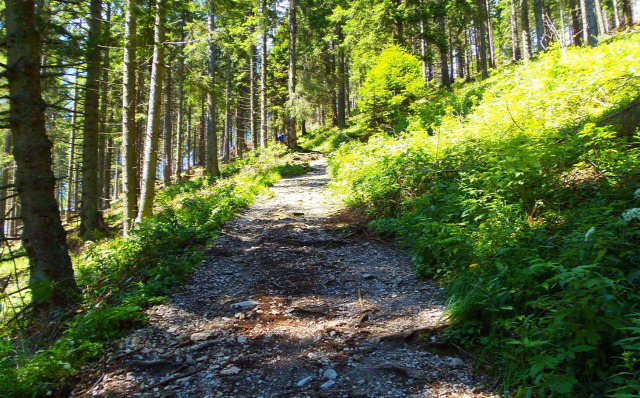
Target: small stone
[(368, 276), (330, 374), (234, 370), (201, 336), (328, 384), (242, 339), (304, 381), (456, 363), (245, 304)]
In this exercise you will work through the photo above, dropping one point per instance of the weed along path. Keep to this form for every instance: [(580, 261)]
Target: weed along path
[(295, 299)]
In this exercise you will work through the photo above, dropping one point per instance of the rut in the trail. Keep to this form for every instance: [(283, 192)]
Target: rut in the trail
[(288, 305)]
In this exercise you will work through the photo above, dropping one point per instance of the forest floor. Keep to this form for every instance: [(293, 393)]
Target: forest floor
[(296, 299)]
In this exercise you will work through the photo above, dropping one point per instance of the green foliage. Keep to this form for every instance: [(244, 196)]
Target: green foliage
[(393, 83), (121, 276), (517, 193)]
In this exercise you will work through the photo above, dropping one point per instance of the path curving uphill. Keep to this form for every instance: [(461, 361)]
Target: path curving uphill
[(294, 300)]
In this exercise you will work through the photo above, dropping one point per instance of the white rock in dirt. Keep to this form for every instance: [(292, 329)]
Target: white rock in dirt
[(201, 336), (456, 363), (242, 339), (330, 374), (234, 370), (245, 304), (328, 384), (304, 381)]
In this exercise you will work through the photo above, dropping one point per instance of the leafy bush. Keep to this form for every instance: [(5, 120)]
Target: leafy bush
[(392, 84), (519, 195)]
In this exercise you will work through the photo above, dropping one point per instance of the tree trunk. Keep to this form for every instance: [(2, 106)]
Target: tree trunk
[(103, 177), (129, 130), (179, 132), (616, 14), (190, 141), (538, 11), (293, 140), (226, 140), (341, 78), (576, 27), (90, 218), (108, 159), (482, 45), (201, 141), (168, 144), (51, 276), (212, 138), (239, 132), (442, 46), (72, 152), (4, 192), (252, 98), (263, 80), (423, 51), (152, 136), (526, 29), (589, 24), (602, 27), (492, 52), (515, 46)]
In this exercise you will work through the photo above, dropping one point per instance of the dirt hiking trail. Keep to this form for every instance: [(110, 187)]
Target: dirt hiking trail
[(294, 300)]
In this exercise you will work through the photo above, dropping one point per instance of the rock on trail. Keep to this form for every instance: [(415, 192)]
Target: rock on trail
[(289, 305)]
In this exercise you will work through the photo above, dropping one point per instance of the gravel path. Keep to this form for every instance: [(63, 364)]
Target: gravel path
[(294, 300)]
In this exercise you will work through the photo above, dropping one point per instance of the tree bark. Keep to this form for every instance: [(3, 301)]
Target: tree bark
[(492, 52), (538, 11), (103, 132), (526, 29), (51, 277), (212, 138), (616, 14), (589, 24), (90, 218), (152, 136), (253, 120), (168, 142), (239, 132), (264, 133), (442, 47), (482, 45), (226, 140), (293, 140), (576, 26), (179, 133), (6, 169), (190, 154), (341, 78), (602, 27), (515, 46), (72, 152), (129, 130)]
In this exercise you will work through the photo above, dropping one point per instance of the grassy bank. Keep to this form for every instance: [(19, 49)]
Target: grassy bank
[(521, 193), (120, 276)]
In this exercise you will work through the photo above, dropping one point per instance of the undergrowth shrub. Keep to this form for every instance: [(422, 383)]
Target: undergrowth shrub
[(518, 195)]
